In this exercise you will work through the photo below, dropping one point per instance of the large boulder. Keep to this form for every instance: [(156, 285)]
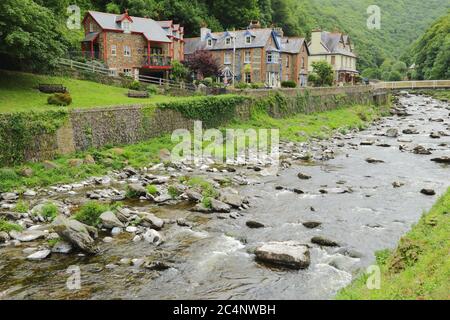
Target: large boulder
[(137, 190), (39, 255), (153, 237), (232, 199), (152, 221), (289, 254), (324, 242), (110, 221), (219, 206), (76, 233), (27, 235)]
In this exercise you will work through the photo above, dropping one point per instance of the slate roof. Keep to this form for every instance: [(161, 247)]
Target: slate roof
[(260, 38), (148, 27), (331, 41)]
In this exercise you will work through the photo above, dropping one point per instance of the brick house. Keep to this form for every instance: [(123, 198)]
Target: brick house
[(262, 55), (132, 45), (337, 49)]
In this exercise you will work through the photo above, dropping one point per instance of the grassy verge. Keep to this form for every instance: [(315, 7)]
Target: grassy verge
[(145, 153), (18, 93), (321, 125), (438, 94), (420, 266)]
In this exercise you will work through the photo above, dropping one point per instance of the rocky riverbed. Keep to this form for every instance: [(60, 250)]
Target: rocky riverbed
[(300, 234)]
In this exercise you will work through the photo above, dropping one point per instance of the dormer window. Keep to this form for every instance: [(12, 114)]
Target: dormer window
[(209, 42), (91, 27), (248, 39), (126, 27), (228, 41)]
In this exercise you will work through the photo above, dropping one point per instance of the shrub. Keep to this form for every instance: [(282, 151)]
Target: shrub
[(288, 84), (7, 226), (314, 79), (22, 207), (135, 85), (8, 174), (153, 190), (208, 82), (257, 85), (60, 99), (90, 213), (207, 189), (173, 192), (206, 201), (241, 85), (49, 211), (152, 89)]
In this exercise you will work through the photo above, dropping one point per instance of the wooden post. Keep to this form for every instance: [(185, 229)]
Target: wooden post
[(148, 52), (92, 49)]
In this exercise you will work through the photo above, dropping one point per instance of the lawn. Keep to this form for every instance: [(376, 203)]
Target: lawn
[(18, 93), (420, 266)]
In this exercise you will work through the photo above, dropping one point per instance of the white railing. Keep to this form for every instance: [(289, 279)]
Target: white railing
[(424, 84), (141, 78)]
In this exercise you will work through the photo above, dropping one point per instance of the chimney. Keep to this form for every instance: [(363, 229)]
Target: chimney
[(279, 31), (254, 24), (316, 39), (204, 32)]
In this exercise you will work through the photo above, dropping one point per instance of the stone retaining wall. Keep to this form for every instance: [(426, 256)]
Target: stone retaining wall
[(121, 125)]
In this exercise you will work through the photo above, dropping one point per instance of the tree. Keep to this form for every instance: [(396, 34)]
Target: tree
[(179, 71), (324, 72), (30, 35), (394, 76), (235, 13), (203, 64), (113, 8)]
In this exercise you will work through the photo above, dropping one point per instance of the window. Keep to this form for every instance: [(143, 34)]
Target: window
[(248, 39), (126, 26), (127, 51), (227, 58), (287, 61), (272, 57), (91, 27), (127, 72), (228, 41), (113, 50), (303, 62), (113, 72), (248, 77), (333, 60), (248, 56), (209, 42)]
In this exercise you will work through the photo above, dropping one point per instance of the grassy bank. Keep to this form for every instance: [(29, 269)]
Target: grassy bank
[(420, 266), (18, 93), (443, 95), (144, 154)]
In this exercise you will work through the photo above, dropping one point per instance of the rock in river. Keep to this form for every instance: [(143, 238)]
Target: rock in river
[(76, 233), (312, 224), (27, 236), (324, 242), (254, 224), (152, 221), (219, 206), (303, 176), (290, 254), (39, 255), (428, 192), (441, 160), (392, 133), (109, 220), (153, 237)]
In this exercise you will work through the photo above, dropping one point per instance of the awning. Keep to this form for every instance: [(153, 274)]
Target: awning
[(226, 72), (91, 37)]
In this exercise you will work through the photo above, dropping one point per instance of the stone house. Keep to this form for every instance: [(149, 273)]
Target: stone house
[(132, 45), (337, 49), (261, 55)]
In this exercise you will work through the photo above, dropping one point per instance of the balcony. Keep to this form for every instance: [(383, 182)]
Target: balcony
[(155, 61)]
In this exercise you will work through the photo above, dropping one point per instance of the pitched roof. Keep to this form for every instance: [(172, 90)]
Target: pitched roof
[(260, 38), (331, 42), (148, 27)]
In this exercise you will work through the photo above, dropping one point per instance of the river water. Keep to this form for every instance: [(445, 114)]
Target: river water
[(354, 200)]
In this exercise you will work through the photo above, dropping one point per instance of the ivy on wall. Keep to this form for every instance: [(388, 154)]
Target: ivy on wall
[(212, 111), (20, 132)]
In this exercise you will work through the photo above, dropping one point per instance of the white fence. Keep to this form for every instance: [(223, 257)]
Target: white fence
[(425, 84)]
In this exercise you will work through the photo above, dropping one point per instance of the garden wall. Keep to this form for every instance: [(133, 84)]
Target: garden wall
[(41, 136)]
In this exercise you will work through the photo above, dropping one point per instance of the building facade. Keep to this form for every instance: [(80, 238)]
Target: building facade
[(254, 55), (337, 49), (132, 45)]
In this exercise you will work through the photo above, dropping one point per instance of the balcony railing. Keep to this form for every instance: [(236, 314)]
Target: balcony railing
[(155, 60)]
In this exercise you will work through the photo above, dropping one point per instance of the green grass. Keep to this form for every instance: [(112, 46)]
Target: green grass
[(18, 93), (302, 127), (152, 189), (90, 213), (438, 94), (49, 211), (7, 226), (420, 266)]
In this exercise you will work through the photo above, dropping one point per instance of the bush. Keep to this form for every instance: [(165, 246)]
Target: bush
[(153, 190), (314, 79), (7, 226), (90, 213), (8, 174), (173, 192), (49, 211), (152, 89), (22, 207), (135, 85), (257, 85), (208, 82), (241, 85), (60, 99), (288, 84)]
